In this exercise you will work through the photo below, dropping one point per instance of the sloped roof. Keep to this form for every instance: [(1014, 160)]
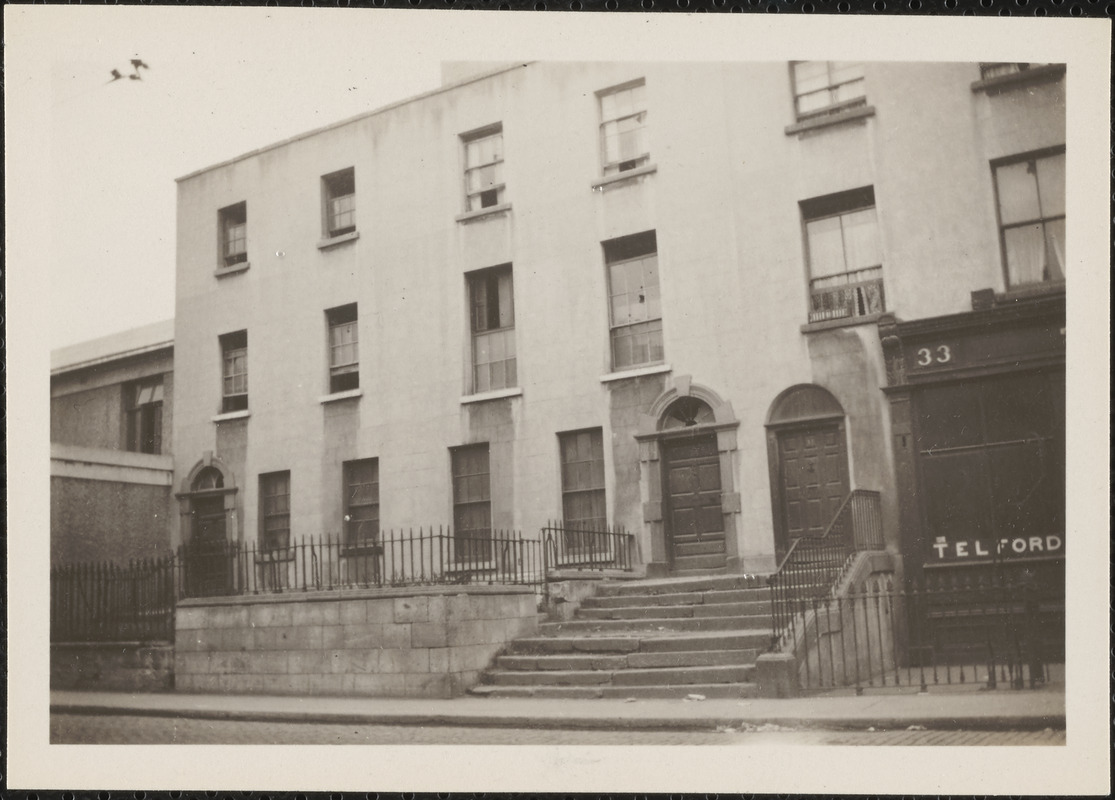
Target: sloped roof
[(144, 339)]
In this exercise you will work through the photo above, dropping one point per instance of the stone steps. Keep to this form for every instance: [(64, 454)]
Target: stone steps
[(662, 643), (636, 660), (687, 563), (662, 610), (671, 676), (710, 623), (679, 598), (712, 691), (650, 638), (681, 585)]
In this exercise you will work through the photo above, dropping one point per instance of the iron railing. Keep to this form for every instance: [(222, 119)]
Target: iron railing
[(113, 603), (987, 634), (850, 294), (582, 546), (814, 564), (393, 558)]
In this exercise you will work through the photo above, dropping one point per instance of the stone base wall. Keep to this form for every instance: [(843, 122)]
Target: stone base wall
[(415, 642), (122, 666)]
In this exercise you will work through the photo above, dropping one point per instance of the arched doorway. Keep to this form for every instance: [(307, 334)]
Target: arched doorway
[(687, 451), (808, 457), (693, 514), (207, 511)]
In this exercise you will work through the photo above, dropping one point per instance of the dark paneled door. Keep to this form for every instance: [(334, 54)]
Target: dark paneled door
[(209, 558), (813, 469), (695, 518)]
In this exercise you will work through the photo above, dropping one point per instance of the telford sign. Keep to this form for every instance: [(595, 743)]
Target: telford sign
[(942, 549)]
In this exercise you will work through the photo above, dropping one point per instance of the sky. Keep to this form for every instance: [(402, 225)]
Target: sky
[(214, 88)]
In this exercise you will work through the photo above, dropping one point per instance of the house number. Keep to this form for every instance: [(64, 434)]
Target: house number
[(930, 355)]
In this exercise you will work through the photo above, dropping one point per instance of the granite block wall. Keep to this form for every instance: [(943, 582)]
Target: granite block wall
[(118, 666), (377, 642)]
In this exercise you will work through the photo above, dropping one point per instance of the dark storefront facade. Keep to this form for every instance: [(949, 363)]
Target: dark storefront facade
[(978, 408)]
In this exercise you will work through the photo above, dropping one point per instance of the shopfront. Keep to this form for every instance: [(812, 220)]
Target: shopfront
[(978, 406)]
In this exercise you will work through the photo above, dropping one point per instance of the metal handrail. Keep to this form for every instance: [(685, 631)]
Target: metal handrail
[(835, 551)]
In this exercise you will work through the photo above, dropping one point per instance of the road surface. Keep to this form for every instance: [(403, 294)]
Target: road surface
[(111, 729)]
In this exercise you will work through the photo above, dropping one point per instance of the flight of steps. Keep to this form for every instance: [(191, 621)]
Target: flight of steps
[(651, 638)]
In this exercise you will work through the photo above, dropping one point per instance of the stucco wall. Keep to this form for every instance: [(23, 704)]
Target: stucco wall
[(724, 202), (97, 520), (432, 642)]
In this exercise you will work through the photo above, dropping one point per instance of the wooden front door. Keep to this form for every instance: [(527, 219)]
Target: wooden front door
[(694, 517), (209, 558), (813, 472)]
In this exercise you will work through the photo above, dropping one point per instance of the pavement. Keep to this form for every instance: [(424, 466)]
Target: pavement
[(952, 708)]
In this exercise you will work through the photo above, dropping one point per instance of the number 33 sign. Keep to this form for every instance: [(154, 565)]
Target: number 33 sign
[(934, 355)]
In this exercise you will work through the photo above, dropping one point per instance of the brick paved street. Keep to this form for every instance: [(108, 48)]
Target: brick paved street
[(81, 729)]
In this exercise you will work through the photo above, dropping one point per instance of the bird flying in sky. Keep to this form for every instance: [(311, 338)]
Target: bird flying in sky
[(137, 65)]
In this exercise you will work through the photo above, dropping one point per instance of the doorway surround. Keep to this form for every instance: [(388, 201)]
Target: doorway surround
[(655, 429)]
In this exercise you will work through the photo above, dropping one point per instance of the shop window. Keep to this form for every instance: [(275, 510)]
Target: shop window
[(234, 356), (233, 223), (492, 312), (992, 460), (624, 139), (634, 300), (472, 503), (1031, 193), (145, 416), (844, 255), (339, 190), (826, 87), (344, 352), (484, 186)]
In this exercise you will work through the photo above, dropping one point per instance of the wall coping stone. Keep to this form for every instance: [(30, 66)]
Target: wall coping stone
[(351, 594)]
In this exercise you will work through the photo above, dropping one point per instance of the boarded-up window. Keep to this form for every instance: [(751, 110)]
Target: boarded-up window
[(361, 501), (492, 306)]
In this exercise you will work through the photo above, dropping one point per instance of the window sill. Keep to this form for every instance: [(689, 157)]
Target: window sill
[(231, 415), (842, 322), (1018, 80), (348, 394), (235, 269), (825, 120), (1028, 290), (620, 177), (654, 369), (497, 394), (482, 213), (333, 241)]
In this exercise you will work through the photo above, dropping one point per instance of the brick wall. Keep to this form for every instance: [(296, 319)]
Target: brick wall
[(119, 666), (378, 642)]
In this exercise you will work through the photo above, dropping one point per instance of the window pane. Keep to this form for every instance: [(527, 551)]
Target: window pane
[(826, 247), (1018, 192), (861, 239), (1051, 184), (810, 76), (949, 416), (1055, 250), (1025, 253)]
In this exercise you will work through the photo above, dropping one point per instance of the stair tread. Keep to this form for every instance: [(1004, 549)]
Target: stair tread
[(714, 690)]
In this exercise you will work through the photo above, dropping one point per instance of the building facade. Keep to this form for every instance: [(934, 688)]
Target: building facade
[(692, 300), (111, 411)]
